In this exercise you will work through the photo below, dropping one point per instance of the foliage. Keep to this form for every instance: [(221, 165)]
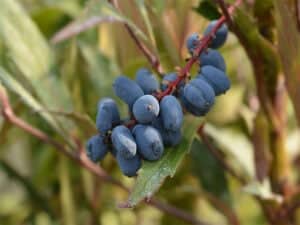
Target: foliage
[(59, 57)]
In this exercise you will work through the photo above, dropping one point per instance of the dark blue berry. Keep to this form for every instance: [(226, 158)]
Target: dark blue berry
[(147, 81), (216, 78), (220, 36), (129, 91), (96, 149), (107, 115), (213, 58), (123, 141), (191, 42), (171, 113), (129, 167), (208, 92), (201, 99), (170, 138), (145, 109), (149, 142)]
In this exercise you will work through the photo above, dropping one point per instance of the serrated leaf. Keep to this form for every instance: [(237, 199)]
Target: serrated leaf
[(209, 171), (208, 9), (152, 174), (96, 12)]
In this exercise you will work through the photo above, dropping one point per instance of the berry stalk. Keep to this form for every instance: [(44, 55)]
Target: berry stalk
[(202, 45)]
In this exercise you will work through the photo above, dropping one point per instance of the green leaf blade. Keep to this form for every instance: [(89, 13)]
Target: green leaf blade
[(152, 174)]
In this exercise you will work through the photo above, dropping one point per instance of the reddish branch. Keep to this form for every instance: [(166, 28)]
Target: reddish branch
[(78, 155), (201, 46), (225, 11), (151, 57)]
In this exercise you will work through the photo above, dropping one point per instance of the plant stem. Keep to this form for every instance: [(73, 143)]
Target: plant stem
[(152, 58), (202, 45)]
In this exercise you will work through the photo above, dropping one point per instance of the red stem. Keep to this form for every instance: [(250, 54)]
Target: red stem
[(202, 46)]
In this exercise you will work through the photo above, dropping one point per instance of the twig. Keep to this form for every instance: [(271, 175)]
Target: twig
[(216, 153), (151, 57), (225, 11), (84, 162), (175, 211), (201, 46), (297, 11), (226, 210)]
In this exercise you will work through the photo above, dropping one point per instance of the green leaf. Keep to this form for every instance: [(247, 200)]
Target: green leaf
[(236, 146), (96, 12), (83, 122), (102, 71), (27, 48), (152, 174), (17, 88), (146, 18), (208, 170), (208, 9), (32, 62)]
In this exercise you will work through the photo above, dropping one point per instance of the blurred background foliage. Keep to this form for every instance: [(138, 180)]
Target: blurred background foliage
[(56, 86)]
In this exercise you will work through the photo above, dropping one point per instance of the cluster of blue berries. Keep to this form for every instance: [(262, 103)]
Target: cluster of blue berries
[(155, 122)]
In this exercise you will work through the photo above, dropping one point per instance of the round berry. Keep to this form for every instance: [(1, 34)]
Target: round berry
[(145, 109)]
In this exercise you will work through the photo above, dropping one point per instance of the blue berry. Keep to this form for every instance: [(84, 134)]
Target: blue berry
[(147, 81), (96, 148), (113, 151), (149, 142), (129, 91), (145, 109), (123, 141), (107, 115), (191, 42), (208, 92), (221, 34), (170, 138), (129, 167), (171, 113), (216, 78), (169, 78), (190, 108), (213, 58), (200, 98)]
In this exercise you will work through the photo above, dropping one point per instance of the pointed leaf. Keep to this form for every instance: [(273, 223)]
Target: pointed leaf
[(209, 171), (14, 86), (208, 9), (97, 12), (152, 174)]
